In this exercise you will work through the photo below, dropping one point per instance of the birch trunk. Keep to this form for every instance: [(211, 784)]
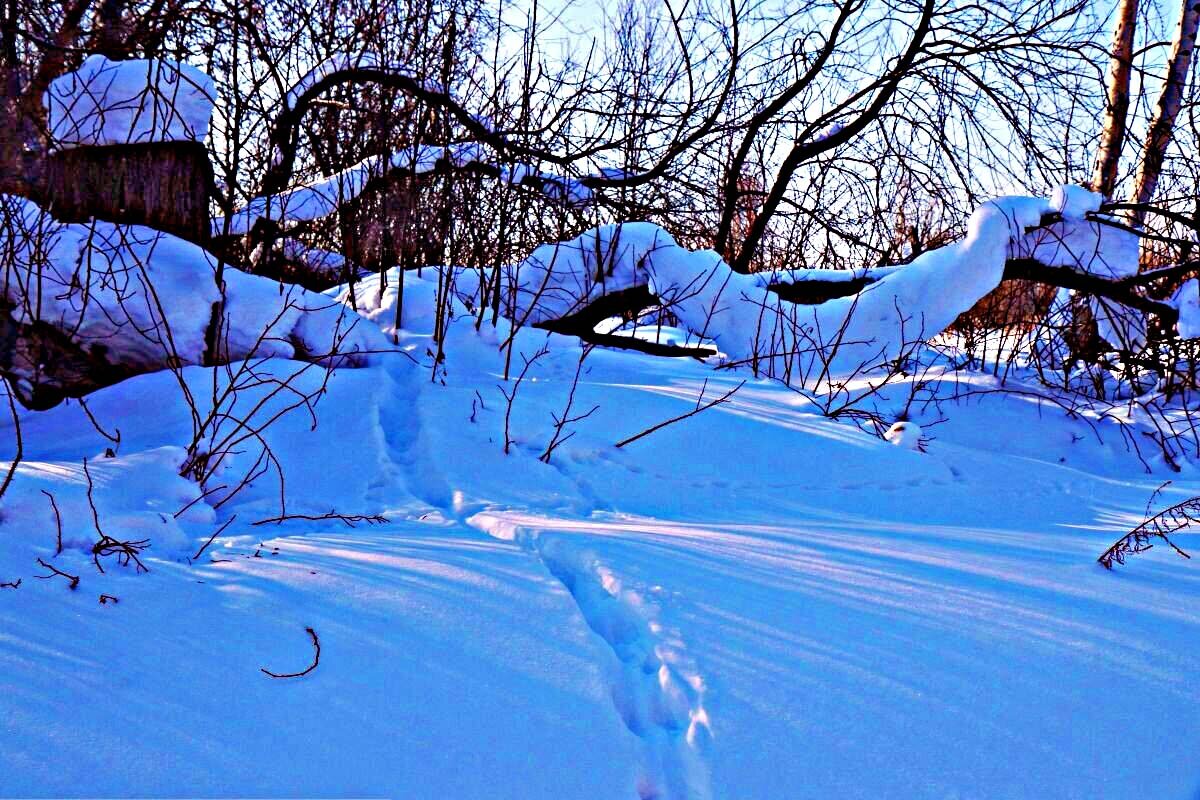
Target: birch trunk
[(1169, 101), (1112, 137)]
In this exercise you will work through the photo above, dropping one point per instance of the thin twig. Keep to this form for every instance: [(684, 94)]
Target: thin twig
[(107, 545), (57, 522), (510, 397), (1140, 539), (212, 538), (12, 467), (316, 660), (722, 399), (74, 579), (197, 499), (91, 500), (348, 519), (115, 438)]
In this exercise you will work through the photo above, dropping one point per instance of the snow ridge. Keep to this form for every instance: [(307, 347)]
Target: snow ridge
[(656, 689)]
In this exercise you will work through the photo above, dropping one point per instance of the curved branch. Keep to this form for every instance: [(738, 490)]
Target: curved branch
[(756, 123), (283, 137), (807, 149), (316, 660), (285, 130)]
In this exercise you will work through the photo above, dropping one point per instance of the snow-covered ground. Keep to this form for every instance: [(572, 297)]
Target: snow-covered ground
[(756, 602)]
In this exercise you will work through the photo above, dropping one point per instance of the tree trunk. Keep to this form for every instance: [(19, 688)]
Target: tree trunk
[(1169, 100), (45, 365), (1112, 137), (109, 39), (164, 185)]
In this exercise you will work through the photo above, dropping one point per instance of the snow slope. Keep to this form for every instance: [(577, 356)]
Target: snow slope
[(756, 602)]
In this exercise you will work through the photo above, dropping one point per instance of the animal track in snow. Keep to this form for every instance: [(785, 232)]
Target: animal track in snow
[(656, 689)]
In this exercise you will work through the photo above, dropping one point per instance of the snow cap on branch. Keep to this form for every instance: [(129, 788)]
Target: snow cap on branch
[(1075, 202), (1187, 300)]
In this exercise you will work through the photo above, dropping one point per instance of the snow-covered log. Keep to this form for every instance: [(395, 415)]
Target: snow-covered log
[(133, 299), (792, 324)]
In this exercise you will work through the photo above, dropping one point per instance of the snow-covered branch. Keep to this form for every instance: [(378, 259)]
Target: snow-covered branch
[(787, 321), (321, 198)]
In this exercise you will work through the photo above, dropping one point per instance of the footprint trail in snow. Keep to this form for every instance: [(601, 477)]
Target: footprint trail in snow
[(656, 689)]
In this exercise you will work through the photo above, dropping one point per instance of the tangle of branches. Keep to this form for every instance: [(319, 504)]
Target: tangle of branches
[(106, 545)]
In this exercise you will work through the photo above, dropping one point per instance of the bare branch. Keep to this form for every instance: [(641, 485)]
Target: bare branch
[(316, 660)]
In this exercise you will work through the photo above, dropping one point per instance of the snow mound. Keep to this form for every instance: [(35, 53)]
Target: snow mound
[(125, 102), (1075, 202), (136, 497), (905, 434), (375, 298)]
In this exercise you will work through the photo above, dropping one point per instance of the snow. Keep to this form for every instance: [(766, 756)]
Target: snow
[(1187, 300), (149, 295), (849, 336), (845, 336), (1097, 249), (328, 264), (904, 434), (323, 197), (1089, 245), (320, 198), (134, 495), (335, 63), (802, 274), (756, 601), (110, 284), (1075, 202), (123, 102), (560, 188), (305, 202)]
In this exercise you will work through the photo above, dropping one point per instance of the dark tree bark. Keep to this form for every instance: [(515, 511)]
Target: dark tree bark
[(164, 185), (45, 365)]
